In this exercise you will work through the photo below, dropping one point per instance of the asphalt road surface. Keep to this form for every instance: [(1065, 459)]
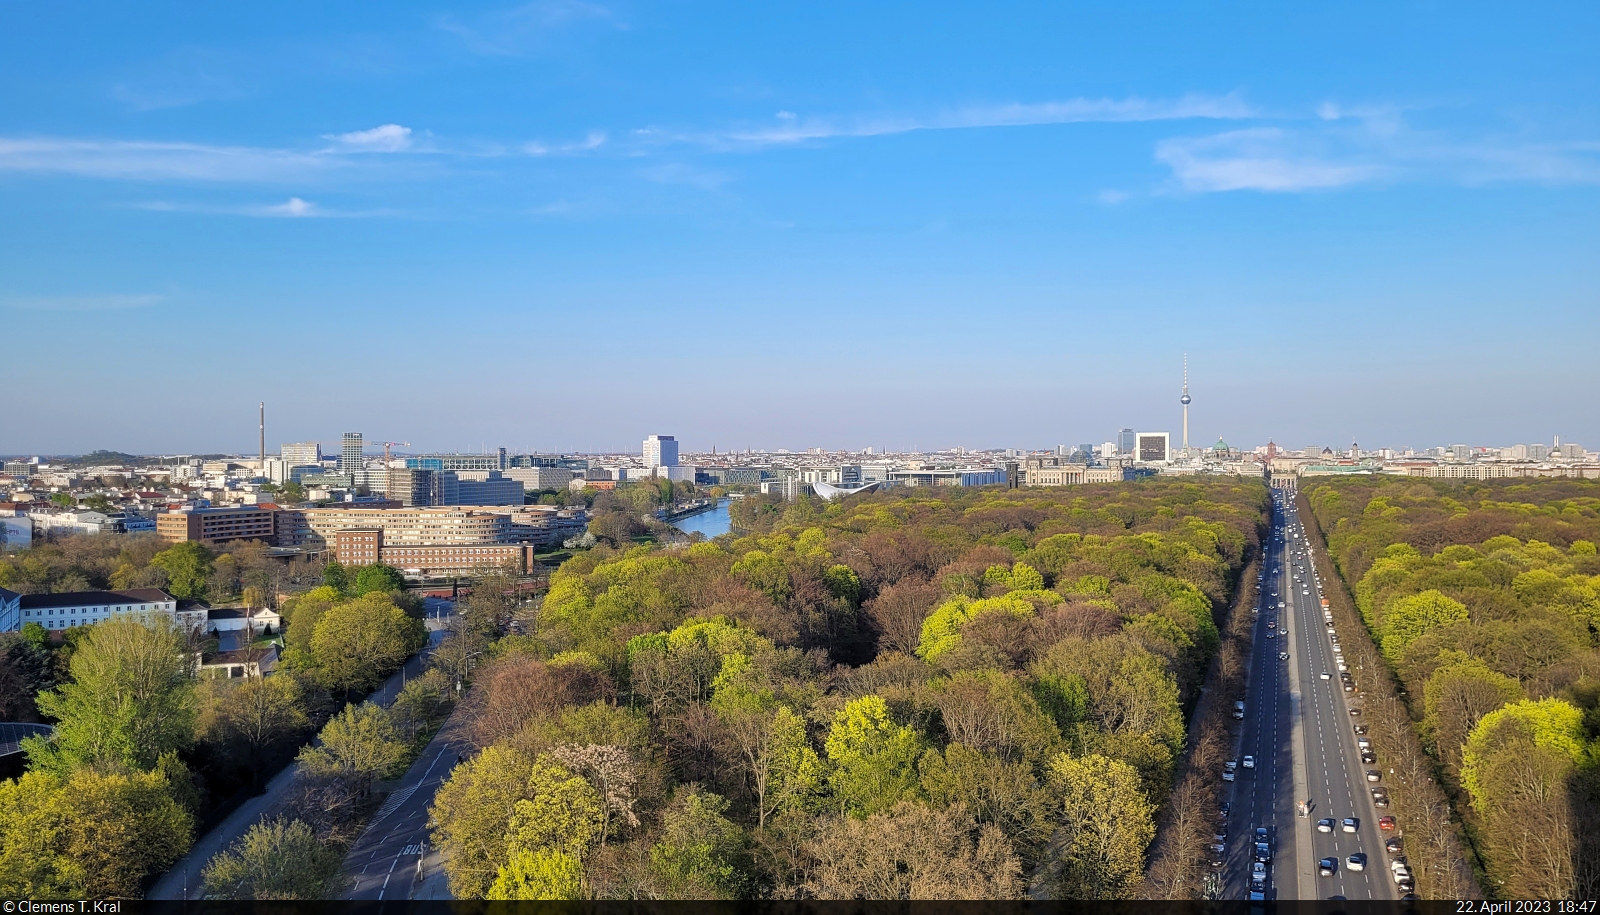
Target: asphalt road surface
[(392, 858), (1300, 734)]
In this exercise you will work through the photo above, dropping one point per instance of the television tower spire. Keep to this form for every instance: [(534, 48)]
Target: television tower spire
[(263, 430), (1185, 401)]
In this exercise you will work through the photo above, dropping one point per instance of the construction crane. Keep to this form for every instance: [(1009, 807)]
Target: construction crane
[(388, 445)]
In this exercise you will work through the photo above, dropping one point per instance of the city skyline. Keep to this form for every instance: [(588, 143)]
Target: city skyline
[(987, 227)]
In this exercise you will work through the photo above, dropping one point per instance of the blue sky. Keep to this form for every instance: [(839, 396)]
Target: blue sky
[(563, 225)]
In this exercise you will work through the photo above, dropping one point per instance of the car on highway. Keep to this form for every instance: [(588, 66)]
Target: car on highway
[(1263, 853), (1386, 823), (1261, 834), (1249, 762), (1356, 862), (1327, 866), (1272, 624), (1349, 824), (1325, 824), (1224, 809), (1258, 896), (1283, 656), (1373, 775), (1324, 675), (1258, 869), (1280, 605), (1227, 775)]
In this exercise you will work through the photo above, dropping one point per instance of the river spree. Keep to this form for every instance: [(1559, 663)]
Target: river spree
[(713, 523)]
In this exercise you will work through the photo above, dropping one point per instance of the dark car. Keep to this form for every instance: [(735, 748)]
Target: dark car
[(1327, 866), (1263, 854), (1393, 845), (1374, 775), (1223, 810), (1355, 713), (1360, 729), (1369, 757)]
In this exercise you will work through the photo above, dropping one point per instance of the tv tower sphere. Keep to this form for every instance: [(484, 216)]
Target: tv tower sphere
[(1184, 400)]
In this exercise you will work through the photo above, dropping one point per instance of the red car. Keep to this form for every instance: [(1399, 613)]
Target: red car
[(1385, 823)]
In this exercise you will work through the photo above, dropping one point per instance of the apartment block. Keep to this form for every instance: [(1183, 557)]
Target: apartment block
[(440, 526), (216, 525)]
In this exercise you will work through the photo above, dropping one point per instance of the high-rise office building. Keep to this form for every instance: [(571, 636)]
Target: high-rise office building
[(350, 458), (1125, 441), (297, 453), (1154, 447), (661, 451)]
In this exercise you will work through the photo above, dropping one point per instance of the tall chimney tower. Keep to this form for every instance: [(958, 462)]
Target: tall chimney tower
[(263, 442)]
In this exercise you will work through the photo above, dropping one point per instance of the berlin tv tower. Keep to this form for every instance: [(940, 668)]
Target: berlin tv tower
[(1185, 401)]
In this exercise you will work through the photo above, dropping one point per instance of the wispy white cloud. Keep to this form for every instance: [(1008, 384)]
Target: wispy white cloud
[(524, 29), (1365, 145), (593, 141), (792, 128), (157, 161), (293, 208), (1111, 197), (81, 302), (1260, 159), (387, 138)]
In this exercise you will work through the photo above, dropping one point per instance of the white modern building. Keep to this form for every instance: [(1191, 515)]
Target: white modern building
[(294, 453), (661, 451)]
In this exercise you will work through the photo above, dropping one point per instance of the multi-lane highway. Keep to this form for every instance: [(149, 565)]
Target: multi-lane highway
[(1299, 743)]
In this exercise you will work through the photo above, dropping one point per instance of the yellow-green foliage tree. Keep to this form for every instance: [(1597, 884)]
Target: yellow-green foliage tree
[(87, 835), (914, 694), (1485, 602)]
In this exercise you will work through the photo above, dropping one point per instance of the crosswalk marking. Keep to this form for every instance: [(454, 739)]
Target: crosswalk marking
[(395, 800)]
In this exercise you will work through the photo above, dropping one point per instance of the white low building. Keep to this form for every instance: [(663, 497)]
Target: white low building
[(59, 612)]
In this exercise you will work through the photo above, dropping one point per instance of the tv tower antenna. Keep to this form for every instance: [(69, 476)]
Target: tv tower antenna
[(1185, 401)]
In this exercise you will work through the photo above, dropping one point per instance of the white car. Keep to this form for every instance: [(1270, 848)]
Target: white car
[(1356, 862), (1249, 762), (1324, 675)]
